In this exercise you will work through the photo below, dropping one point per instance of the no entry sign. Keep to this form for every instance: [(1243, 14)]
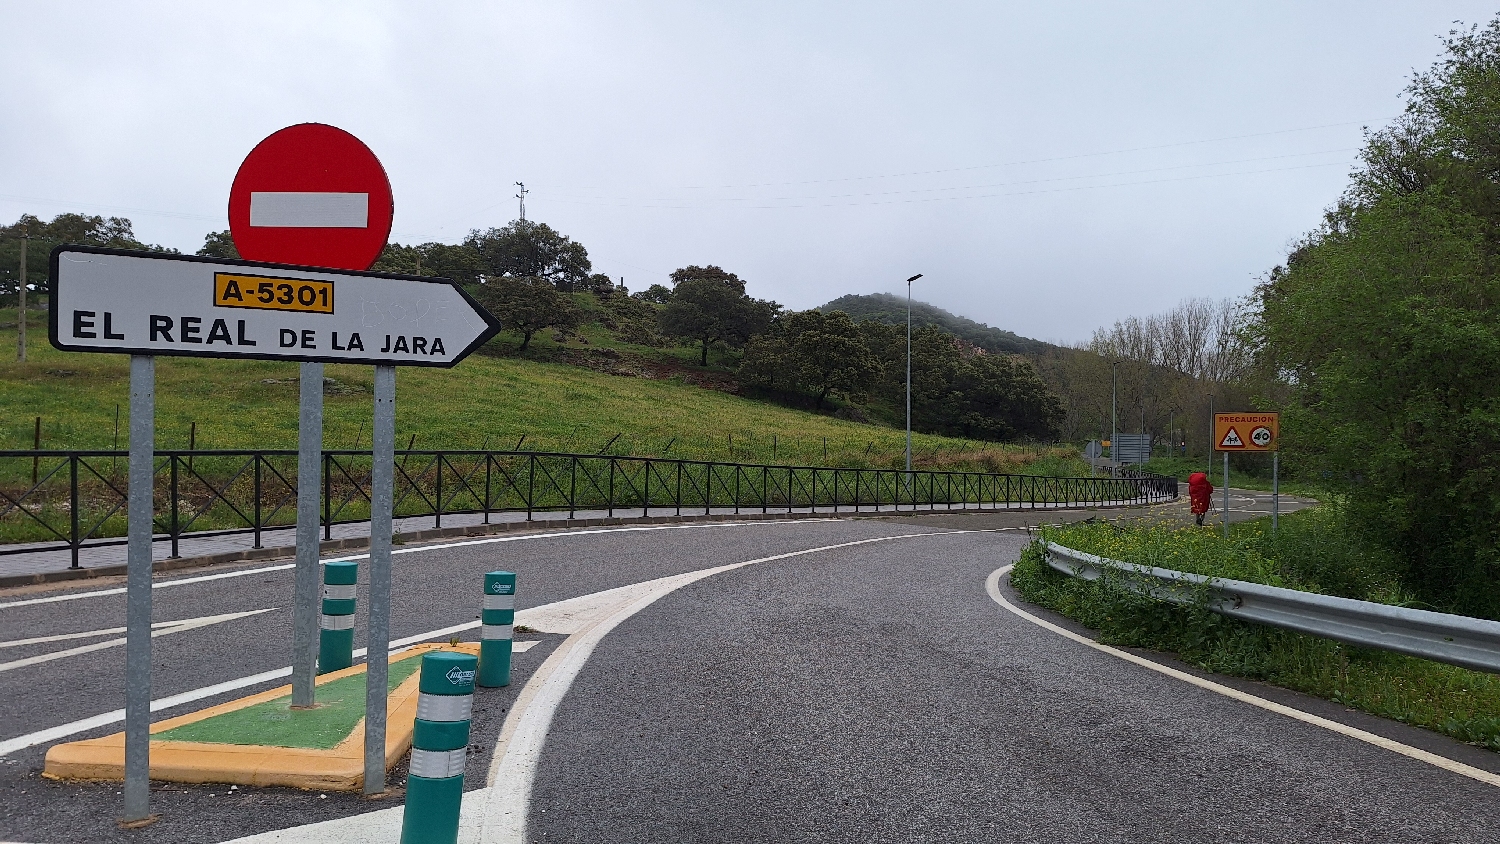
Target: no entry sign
[(313, 195), (109, 300)]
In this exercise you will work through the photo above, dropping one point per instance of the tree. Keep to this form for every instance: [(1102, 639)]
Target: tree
[(1383, 329), (1002, 398), (658, 294), (828, 354), (219, 245), (527, 305), (528, 249), (709, 305), (460, 263), (82, 229)]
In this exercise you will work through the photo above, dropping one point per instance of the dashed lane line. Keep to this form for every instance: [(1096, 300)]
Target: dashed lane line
[(992, 585)]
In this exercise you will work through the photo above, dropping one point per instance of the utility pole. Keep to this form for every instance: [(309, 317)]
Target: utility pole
[(908, 375), (21, 320), (522, 196)]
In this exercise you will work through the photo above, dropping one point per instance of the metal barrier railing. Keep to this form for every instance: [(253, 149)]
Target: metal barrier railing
[(70, 500)]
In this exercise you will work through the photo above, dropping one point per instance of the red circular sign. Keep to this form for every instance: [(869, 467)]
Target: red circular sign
[(313, 195)]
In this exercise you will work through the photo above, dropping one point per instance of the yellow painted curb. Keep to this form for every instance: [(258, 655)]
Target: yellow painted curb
[(340, 768)]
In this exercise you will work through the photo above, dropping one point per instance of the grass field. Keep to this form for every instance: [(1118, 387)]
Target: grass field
[(1311, 552), (484, 402)]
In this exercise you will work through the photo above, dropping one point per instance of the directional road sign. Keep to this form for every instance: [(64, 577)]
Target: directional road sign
[(312, 195), (111, 300), (1246, 431)]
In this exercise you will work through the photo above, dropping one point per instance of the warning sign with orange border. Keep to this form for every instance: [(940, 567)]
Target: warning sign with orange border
[(1246, 431)]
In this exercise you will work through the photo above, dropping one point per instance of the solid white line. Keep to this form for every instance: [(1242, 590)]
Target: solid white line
[(162, 629), (565, 532), (9, 746), (519, 748), (992, 585)]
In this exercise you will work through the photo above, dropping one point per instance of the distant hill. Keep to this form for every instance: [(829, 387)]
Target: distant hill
[(884, 307)]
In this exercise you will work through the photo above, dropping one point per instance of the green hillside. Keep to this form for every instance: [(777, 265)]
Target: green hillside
[(486, 401), (884, 307)]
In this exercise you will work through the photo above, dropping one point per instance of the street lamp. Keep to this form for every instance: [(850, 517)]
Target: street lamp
[(908, 375)]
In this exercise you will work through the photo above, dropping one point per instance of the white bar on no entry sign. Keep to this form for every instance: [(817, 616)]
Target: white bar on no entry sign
[(308, 210)]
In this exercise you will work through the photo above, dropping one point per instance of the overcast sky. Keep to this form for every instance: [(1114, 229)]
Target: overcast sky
[(1050, 166)]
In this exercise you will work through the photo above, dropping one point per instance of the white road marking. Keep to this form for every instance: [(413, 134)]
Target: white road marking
[(562, 533), (992, 585), (497, 812), (161, 629)]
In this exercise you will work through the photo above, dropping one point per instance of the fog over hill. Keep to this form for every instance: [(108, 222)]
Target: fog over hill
[(891, 309)]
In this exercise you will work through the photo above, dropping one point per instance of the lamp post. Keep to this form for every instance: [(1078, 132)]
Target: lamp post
[(908, 375), (1114, 418)]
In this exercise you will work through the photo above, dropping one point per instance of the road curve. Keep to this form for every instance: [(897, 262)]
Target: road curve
[(877, 693)]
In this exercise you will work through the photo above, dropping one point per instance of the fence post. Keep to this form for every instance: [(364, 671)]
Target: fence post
[(336, 623), (437, 500), (498, 620), (440, 744), (646, 493), (327, 496), (572, 486), (73, 506), (678, 494), (530, 484), (173, 493), (489, 460), (257, 458), (611, 487)]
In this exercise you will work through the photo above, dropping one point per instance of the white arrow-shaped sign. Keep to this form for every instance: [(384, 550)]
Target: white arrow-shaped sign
[(110, 300)]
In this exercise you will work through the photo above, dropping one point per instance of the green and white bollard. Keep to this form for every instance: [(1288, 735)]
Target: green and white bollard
[(435, 789), (499, 623), (336, 624)]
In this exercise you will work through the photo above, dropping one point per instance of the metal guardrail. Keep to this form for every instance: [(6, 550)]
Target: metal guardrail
[(1454, 639), (69, 500)]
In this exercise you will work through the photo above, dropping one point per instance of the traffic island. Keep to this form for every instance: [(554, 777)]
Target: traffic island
[(261, 740)]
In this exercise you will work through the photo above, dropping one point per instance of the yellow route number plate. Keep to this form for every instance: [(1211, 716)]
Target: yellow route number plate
[(232, 290)]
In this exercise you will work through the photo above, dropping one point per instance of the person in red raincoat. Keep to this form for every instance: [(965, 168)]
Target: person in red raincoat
[(1200, 494)]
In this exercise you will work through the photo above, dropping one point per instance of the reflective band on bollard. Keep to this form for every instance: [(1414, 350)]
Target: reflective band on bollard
[(440, 741), (336, 624), (495, 636)]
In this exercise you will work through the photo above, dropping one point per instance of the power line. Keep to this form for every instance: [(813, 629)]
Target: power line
[(996, 184)]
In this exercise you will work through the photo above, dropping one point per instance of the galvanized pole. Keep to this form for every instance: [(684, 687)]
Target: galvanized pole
[(378, 634), (1210, 451), (1226, 495), (21, 314), (1275, 489), (138, 588), (908, 376), (309, 491)]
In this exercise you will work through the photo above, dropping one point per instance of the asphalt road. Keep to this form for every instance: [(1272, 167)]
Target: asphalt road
[(432, 588), (869, 693), (878, 694)]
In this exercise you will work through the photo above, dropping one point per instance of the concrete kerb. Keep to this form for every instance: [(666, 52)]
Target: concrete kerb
[(361, 543), (340, 768)]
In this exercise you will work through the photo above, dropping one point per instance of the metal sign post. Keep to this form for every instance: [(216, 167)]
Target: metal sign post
[(1249, 432), (138, 588), (312, 206), (147, 304), (309, 492), (382, 494)]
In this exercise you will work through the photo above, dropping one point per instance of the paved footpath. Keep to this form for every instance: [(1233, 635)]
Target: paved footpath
[(857, 683)]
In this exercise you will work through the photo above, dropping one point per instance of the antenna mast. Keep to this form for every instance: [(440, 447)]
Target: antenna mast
[(522, 196)]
